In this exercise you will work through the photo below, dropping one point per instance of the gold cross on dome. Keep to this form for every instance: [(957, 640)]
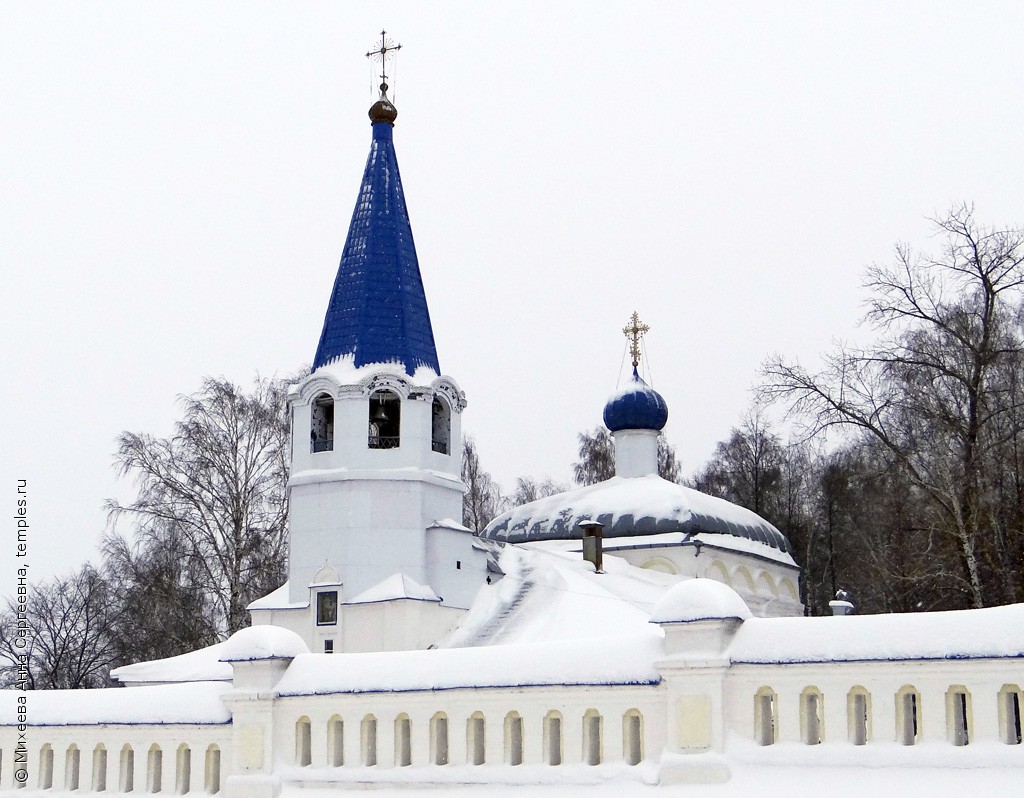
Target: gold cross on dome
[(386, 50), (634, 331)]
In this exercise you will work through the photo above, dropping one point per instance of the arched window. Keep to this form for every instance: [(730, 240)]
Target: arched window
[(908, 715), (858, 715), (766, 586), (475, 743), (183, 769), (321, 428), (765, 726), (513, 739), (810, 715), (742, 582), (553, 738), (633, 737), (441, 426), (719, 572), (439, 739), (1009, 714), (593, 726), (126, 774), (212, 770), (45, 781), (154, 769), (303, 742), (99, 768), (660, 564), (368, 740), (385, 420), (958, 715), (336, 742), (403, 741), (72, 767)]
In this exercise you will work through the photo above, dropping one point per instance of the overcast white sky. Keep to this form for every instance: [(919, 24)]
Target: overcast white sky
[(176, 181)]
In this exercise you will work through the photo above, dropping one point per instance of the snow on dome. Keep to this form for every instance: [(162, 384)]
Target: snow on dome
[(262, 642), (635, 406), (631, 507), (699, 600)]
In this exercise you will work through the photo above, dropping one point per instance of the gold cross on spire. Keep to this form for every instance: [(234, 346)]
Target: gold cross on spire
[(634, 331), (386, 50)]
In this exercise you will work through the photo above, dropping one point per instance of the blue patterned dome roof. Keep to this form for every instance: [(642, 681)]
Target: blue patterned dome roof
[(636, 406)]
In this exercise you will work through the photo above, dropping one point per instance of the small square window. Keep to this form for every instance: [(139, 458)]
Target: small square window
[(328, 646), (458, 565), (327, 608)]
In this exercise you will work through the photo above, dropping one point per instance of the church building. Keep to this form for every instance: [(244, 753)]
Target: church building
[(631, 633)]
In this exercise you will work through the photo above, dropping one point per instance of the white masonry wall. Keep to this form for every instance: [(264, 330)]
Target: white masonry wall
[(700, 718)]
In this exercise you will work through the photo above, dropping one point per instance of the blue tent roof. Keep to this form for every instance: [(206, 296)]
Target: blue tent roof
[(378, 310)]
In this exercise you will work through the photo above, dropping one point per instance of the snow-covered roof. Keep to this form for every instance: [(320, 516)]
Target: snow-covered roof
[(959, 634), (277, 600), (345, 372), (194, 703), (708, 539), (608, 660), (396, 586), (262, 642), (549, 620), (547, 596), (450, 523), (634, 507), (196, 666)]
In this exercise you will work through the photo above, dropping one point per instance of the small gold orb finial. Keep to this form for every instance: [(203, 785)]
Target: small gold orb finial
[(634, 331)]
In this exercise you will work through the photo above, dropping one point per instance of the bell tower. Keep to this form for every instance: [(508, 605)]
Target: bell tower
[(378, 557)]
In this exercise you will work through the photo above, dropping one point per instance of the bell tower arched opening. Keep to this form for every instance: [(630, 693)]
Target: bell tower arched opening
[(385, 420), (441, 427), (321, 432)]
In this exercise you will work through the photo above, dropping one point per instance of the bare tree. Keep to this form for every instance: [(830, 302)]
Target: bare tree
[(163, 607), (596, 457), (218, 487), (70, 644), (747, 468), (932, 392), (596, 461), (668, 466), (529, 490), (482, 500)]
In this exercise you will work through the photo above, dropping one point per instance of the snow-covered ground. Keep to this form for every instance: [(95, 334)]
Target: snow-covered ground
[(791, 781)]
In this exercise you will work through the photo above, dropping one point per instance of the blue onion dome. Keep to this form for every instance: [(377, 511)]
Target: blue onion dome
[(636, 406)]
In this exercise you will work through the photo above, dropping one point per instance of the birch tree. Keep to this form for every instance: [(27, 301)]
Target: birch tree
[(218, 487), (937, 391), (482, 500)]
